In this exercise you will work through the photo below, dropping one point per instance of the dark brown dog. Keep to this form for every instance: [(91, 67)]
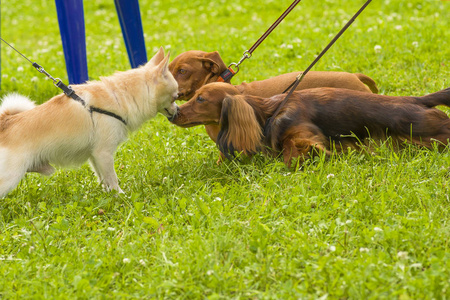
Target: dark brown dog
[(313, 120), (193, 69)]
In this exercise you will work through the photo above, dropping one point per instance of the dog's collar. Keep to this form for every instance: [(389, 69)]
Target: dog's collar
[(226, 75), (71, 93)]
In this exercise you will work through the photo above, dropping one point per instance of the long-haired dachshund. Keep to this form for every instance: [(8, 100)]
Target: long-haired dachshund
[(194, 69), (320, 119)]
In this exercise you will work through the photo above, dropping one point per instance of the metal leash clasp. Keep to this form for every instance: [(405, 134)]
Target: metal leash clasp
[(41, 70), (246, 55)]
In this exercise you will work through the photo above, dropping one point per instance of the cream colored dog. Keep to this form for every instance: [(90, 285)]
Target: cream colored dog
[(65, 132)]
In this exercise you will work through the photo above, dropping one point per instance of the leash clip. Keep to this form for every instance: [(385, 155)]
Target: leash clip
[(246, 55), (41, 70)]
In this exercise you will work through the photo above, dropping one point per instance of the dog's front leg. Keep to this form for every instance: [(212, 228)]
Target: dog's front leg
[(103, 164)]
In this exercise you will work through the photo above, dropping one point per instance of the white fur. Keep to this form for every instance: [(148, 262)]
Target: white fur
[(15, 103), (63, 132)]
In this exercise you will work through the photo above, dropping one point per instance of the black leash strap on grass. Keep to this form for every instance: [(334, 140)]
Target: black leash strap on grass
[(299, 78), (229, 73)]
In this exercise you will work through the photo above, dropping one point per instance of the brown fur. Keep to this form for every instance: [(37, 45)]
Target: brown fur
[(193, 69), (316, 120)]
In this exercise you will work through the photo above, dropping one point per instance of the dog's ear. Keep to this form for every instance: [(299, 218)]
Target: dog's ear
[(213, 63), (157, 58), (239, 128), (163, 66)]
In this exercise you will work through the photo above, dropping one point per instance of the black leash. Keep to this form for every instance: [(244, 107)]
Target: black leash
[(299, 78), (230, 72), (67, 89)]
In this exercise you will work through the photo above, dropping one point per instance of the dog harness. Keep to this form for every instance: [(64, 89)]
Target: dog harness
[(71, 93), (67, 89)]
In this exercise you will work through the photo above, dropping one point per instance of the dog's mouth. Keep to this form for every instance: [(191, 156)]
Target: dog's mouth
[(192, 124), (170, 116)]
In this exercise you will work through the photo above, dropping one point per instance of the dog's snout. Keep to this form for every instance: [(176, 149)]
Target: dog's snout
[(180, 96), (174, 116)]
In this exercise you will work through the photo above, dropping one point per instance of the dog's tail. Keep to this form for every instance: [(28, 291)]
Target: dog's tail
[(368, 81), (435, 99), (15, 103)]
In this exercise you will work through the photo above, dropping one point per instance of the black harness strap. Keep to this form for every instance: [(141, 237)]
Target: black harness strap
[(108, 113), (67, 89), (71, 93)]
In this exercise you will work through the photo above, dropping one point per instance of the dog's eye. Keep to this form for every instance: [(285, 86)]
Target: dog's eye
[(200, 99), (182, 71)]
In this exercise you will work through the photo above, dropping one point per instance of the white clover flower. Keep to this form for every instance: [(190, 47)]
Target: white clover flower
[(378, 229), (20, 69), (415, 44), (363, 249), (209, 272), (398, 27), (402, 255), (111, 229), (332, 248), (126, 260), (377, 48), (330, 176), (142, 262), (34, 79)]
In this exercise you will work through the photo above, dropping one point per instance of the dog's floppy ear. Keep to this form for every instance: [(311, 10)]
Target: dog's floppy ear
[(157, 58), (239, 128), (213, 62)]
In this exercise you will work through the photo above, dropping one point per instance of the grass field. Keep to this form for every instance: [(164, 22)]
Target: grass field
[(362, 225)]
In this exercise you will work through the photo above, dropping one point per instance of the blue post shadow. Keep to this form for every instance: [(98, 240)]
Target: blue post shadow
[(73, 36), (133, 34)]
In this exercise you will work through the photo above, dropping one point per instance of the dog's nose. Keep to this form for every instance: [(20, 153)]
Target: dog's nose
[(180, 95), (174, 116)]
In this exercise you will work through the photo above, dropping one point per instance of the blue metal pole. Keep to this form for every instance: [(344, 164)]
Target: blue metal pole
[(73, 36), (133, 33)]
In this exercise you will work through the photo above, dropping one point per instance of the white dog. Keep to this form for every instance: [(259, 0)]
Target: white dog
[(66, 132)]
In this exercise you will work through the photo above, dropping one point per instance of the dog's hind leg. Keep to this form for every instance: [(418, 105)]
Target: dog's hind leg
[(9, 181), (11, 171), (103, 164), (302, 143)]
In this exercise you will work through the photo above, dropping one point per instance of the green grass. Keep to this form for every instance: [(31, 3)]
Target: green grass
[(362, 225)]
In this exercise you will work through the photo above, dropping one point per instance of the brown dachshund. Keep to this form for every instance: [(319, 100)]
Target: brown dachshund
[(320, 119), (193, 69)]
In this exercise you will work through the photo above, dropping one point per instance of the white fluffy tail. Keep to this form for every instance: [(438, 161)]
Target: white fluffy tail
[(15, 103)]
